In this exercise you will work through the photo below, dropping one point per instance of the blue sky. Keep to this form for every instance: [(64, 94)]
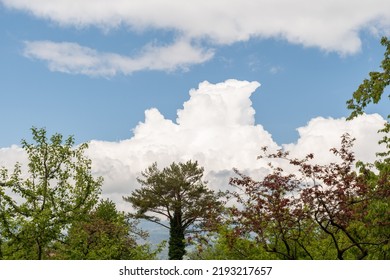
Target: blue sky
[(94, 69), (298, 82)]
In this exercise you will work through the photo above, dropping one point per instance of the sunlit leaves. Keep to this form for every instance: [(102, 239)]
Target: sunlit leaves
[(55, 189)]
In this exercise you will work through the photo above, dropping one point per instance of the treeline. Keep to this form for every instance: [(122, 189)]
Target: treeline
[(50, 209)]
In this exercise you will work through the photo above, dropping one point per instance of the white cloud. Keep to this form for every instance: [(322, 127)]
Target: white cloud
[(75, 59), (10, 156), (332, 25), (321, 134), (276, 69), (216, 127)]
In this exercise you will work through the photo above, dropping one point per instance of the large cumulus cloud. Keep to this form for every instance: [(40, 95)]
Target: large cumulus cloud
[(216, 127)]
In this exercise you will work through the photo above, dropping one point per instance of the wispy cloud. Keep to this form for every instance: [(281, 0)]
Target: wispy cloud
[(75, 59), (276, 69), (329, 25)]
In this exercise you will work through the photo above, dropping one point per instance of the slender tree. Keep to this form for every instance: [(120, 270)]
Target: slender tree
[(178, 194)]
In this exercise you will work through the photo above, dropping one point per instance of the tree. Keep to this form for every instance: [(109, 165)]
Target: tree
[(178, 194), (337, 200), (271, 214), (327, 211), (105, 234), (37, 208), (371, 91)]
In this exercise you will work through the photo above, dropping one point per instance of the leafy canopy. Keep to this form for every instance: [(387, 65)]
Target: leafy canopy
[(38, 203)]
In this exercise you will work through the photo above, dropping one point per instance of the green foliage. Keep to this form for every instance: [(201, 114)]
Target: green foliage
[(377, 218), (105, 234), (225, 245), (37, 208), (372, 89), (178, 194), (377, 175)]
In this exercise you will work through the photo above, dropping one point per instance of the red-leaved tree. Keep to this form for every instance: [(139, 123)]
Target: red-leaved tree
[(321, 211)]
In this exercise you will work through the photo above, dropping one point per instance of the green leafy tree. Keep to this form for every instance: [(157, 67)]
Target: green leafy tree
[(178, 194), (40, 202), (105, 234), (377, 175), (370, 91)]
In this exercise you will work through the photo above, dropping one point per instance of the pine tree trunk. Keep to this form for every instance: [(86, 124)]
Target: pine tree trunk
[(176, 238)]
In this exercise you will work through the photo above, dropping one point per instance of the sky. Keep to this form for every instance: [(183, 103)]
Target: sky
[(148, 81)]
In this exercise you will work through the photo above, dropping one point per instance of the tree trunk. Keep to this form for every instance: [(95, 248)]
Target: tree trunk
[(176, 238)]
